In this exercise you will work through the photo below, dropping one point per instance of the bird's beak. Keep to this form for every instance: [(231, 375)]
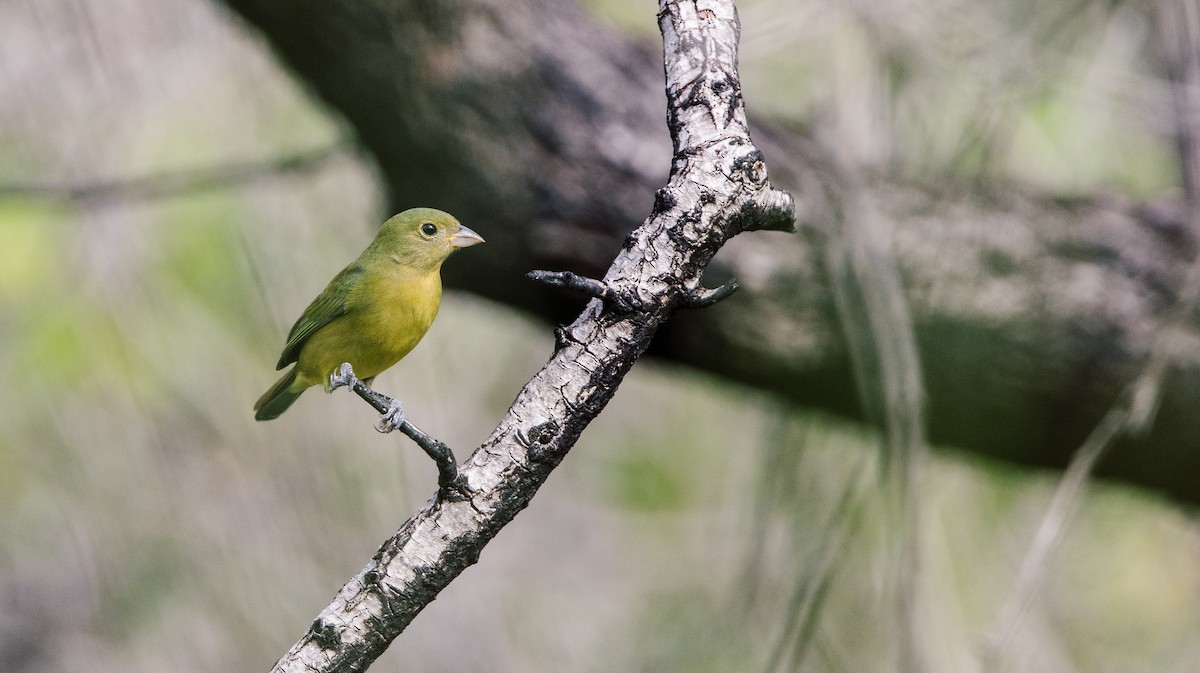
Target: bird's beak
[(465, 238)]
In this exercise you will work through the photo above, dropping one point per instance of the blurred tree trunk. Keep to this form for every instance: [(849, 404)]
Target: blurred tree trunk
[(544, 131)]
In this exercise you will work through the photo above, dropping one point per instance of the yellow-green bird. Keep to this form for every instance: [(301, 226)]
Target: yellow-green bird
[(374, 311)]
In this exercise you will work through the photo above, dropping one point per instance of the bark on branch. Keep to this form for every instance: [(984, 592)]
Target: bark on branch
[(718, 188)]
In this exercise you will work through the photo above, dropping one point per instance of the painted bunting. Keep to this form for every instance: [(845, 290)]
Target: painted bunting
[(374, 311)]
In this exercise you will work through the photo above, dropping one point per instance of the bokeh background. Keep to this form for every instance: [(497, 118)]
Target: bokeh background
[(147, 523)]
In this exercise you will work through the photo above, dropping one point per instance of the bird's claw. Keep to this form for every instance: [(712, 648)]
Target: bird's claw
[(392, 419), (344, 376)]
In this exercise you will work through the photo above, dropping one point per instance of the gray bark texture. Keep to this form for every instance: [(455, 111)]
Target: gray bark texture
[(544, 131), (717, 189)]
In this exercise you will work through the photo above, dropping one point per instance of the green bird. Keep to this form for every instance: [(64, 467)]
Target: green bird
[(374, 311)]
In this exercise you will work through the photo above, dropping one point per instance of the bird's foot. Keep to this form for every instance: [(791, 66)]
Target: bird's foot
[(392, 419), (393, 414), (344, 376)]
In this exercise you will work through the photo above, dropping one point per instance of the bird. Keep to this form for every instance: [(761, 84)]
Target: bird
[(374, 311)]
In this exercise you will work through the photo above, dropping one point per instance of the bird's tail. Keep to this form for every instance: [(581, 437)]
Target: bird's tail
[(278, 398)]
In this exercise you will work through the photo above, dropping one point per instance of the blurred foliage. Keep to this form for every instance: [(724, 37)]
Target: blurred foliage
[(1066, 95), (148, 523)]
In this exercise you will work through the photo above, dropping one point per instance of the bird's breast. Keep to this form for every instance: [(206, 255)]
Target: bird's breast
[(397, 309), (387, 315)]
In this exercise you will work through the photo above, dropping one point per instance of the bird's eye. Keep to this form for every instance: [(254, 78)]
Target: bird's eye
[(428, 229)]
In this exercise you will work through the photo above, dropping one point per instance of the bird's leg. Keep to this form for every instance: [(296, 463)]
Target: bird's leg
[(393, 413), (452, 486), (344, 376), (392, 418)]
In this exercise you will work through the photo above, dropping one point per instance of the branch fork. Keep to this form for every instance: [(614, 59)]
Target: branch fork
[(626, 302), (718, 187)]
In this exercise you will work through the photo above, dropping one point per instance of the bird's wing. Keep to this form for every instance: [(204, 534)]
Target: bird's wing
[(331, 303)]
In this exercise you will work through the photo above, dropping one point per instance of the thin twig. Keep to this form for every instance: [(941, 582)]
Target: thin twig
[(705, 297), (697, 298), (450, 485), (571, 281), (170, 184), (875, 317), (1134, 412), (1050, 531)]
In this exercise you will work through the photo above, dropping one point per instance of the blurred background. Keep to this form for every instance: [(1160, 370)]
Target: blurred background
[(147, 523)]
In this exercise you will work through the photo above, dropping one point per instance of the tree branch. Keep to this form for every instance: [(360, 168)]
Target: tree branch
[(450, 483), (718, 187), (179, 182), (1031, 313)]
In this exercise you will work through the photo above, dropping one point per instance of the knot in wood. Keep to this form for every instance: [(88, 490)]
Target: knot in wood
[(325, 635), (543, 433), (664, 200), (751, 168), (538, 440)]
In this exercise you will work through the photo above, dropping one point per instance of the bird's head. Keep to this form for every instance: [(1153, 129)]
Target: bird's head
[(423, 237)]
